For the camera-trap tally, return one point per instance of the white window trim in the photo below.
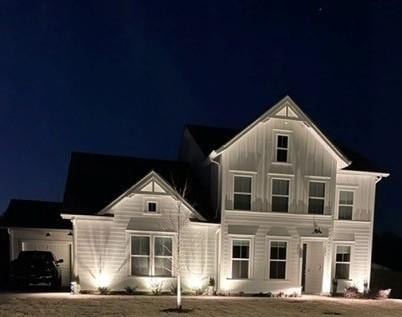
(268, 257)
(340, 189)
(314, 197)
(289, 196)
(151, 200)
(151, 255)
(156, 208)
(276, 148)
(252, 177)
(250, 255)
(334, 262)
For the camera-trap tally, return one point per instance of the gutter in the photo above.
(85, 217)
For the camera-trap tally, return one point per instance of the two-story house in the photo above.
(274, 207)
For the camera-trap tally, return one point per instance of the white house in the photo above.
(273, 207)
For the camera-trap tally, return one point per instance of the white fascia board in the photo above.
(36, 229)
(86, 217)
(341, 158)
(156, 177)
(352, 172)
(206, 224)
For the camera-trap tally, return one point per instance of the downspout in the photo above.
(75, 260)
(219, 231)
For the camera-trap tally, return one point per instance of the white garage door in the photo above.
(61, 250)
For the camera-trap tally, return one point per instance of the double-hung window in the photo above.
(240, 259)
(280, 195)
(277, 259)
(242, 192)
(316, 198)
(151, 256)
(140, 256)
(345, 208)
(342, 262)
(282, 148)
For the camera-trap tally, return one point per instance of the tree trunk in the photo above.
(178, 292)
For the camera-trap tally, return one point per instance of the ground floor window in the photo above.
(151, 256)
(240, 259)
(342, 262)
(277, 259)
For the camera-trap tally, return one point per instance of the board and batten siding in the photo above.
(254, 152)
(103, 246)
(253, 155)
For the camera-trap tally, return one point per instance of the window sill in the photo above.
(282, 163)
(151, 277)
(351, 221)
(239, 279)
(277, 280)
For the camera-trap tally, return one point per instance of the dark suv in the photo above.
(35, 268)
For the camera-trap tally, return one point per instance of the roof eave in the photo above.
(341, 158)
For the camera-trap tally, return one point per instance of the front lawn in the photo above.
(62, 304)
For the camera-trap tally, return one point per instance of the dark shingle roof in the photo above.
(95, 180)
(212, 138)
(34, 214)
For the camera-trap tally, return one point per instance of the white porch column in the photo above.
(327, 268)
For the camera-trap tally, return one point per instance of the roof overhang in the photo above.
(85, 217)
(342, 160)
(376, 174)
(152, 176)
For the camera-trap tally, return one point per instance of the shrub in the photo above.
(173, 288)
(352, 292)
(384, 293)
(130, 290)
(156, 287)
(103, 290)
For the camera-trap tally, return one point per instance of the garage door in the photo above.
(61, 250)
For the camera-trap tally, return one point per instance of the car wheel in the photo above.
(56, 283)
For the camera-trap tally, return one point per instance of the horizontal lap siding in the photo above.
(361, 248)
(260, 281)
(103, 246)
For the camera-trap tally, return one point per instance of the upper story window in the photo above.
(152, 206)
(345, 206)
(151, 256)
(277, 259)
(342, 262)
(316, 198)
(282, 148)
(280, 195)
(240, 258)
(242, 192)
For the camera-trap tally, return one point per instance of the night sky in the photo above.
(123, 77)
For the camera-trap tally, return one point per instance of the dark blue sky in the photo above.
(123, 77)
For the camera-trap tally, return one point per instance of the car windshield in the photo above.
(40, 256)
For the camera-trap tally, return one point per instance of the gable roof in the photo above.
(156, 179)
(96, 180)
(286, 108)
(209, 138)
(34, 214)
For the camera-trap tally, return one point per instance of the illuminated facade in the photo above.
(275, 207)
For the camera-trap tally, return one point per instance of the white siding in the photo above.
(103, 247)
(253, 154)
